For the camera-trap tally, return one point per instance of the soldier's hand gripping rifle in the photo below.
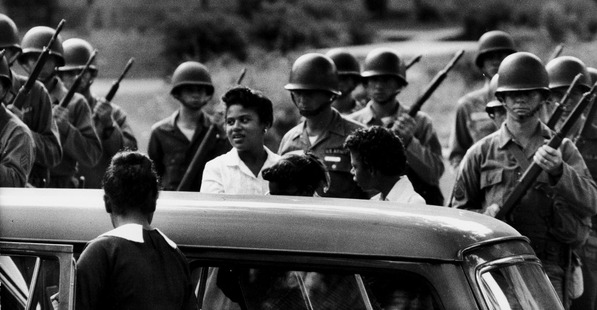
(437, 80)
(533, 171)
(200, 157)
(116, 84)
(71, 92)
(413, 61)
(18, 100)
(557, 113)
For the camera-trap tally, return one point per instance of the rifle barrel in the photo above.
(557, 113)
(200, 157)
(71, 92)
(116, 84)
(413, 61)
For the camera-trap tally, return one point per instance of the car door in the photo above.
(36, 276)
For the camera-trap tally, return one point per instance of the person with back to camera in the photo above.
(249, 114)
(379, 163)
(133, 266)
(296, 175)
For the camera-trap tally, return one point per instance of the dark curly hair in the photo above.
(305, 171)
(379, 149)
(250, 99)
(131, 183)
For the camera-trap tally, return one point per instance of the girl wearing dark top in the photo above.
(133, 266)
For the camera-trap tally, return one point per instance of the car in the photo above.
(283, 252)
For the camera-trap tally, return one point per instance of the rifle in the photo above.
(438, 79)
(39, 64)
(557, 113)
(242, 76)
(587, 125)
(533, 171)
(116, 84)
(413, 61)
(556, 52)
(200, 157)
(71, 92)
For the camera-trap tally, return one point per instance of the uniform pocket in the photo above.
(491, 177)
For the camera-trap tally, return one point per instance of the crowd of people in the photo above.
(342, 148)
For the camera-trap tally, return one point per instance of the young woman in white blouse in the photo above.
(249, 114)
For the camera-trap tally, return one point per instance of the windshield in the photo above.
(517, 286)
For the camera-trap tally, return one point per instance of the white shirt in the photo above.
(402, 191)
(228, 174)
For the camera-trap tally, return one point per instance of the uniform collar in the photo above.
(171, 121)
(506, 137)
(335, 126)
(134, 233)
(371, 116)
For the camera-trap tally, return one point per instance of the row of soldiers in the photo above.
(49, 145)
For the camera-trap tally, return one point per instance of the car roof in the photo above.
(272, 223)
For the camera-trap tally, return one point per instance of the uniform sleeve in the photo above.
(467, 192)
(121, 136)
(576, 184)
(92, 272)
(212, 178)
(48, 150)
(155, 153)
(81, 141)
(460, 138)
(16, 157)
(424, 152)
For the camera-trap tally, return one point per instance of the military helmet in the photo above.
(384, 61)
(37, 38)
(593, 73)
(562, 71)
(313, 71)
(494, 41)
(76, 55)
(9, 34)
(492, 88)
(345, 62)
(191, 73)
(522, 71)
(5, 72)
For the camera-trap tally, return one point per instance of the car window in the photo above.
(268, 288)
(20, 275)
(519, 286)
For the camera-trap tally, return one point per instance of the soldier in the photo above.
(472, 122)
(562, 71)
(36, 111)
(313, 86)
(492, 167)
(175, 139)
(587, 146)
(109, 120)
(379, 163)
(79, 141)
(495, 108)
(17, 152)
(384, 77)
(349, 77)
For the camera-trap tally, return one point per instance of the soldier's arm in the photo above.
(81, 142)
(17, 156)
(466, 193)
(424, 152)
(119, 136)
(48, 150)
(460, 138)
(576, 184)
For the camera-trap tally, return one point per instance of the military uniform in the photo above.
(172, 152)
(423, 153)
(80, 143)
(489, 172)
(37, 114)
(472, 123)
(17, 153)
(329, 148)
(119, 137)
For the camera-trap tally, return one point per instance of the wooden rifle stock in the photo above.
(116, 83)
(39, 64)
(533, 171)
(413, 61)
(557, 113)
(437, 80)
(200, 157)
(71, 92)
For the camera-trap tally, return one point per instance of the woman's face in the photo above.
(244, 128)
